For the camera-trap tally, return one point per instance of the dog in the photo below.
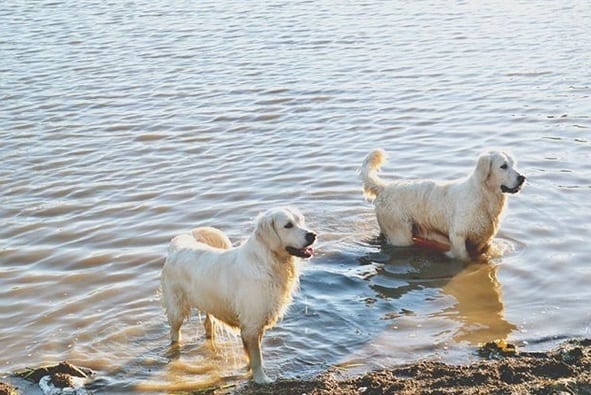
(248, 287)
(460, 216)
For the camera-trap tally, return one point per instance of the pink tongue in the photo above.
(310, 251)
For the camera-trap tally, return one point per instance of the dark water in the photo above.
(123, 124)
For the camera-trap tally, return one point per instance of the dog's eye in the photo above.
(504, 166)
(288, 225)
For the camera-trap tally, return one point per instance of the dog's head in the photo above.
(497, 171)
(283, 231)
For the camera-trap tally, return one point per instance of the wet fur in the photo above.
(248, 287)
(464, 214)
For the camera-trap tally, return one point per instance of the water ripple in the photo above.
(122, 125)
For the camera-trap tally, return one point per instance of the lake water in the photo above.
(123, 124)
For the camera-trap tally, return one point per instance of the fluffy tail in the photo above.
(372, 184)
(212, 237)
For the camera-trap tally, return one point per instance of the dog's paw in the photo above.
(465, 257)
(262, 378)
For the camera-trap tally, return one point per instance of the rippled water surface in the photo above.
(123, 124)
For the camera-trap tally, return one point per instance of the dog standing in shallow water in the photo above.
(462, 214)
(248, 287)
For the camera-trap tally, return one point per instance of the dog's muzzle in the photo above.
(305, 252)
(515, 189)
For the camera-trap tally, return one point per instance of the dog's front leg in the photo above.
(252, 346)
(458, 247)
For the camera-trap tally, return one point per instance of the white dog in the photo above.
(248, 287)
(462, 215)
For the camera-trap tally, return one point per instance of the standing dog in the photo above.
(248, 287)
(462, 214)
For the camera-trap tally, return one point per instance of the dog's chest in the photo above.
(279, 295)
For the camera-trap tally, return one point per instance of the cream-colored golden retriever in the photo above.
(462, 215)
(247, 287)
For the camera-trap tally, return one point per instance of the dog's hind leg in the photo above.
(398, 234)
(209, 325)
(175, 327)
(400, 238)
(176, 321)
(252, 346)
(177, 310)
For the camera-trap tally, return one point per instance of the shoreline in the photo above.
(565, 369)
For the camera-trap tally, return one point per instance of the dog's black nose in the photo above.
(310, 237)
(521, 179)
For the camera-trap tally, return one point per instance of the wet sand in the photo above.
(503, 370)
(7, 389)
(564, 370)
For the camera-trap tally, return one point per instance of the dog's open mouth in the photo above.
(305, 252)
(506, 189)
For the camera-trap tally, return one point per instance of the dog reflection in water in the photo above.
(479, 309)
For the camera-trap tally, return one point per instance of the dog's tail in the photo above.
(212, 237)
(372, 184)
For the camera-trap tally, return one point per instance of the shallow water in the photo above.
(124, 124)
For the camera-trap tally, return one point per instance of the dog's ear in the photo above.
(296, 214)
(509, 158)
(483, 167)
(265, 231)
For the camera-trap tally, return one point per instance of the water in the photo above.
(124, 124)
